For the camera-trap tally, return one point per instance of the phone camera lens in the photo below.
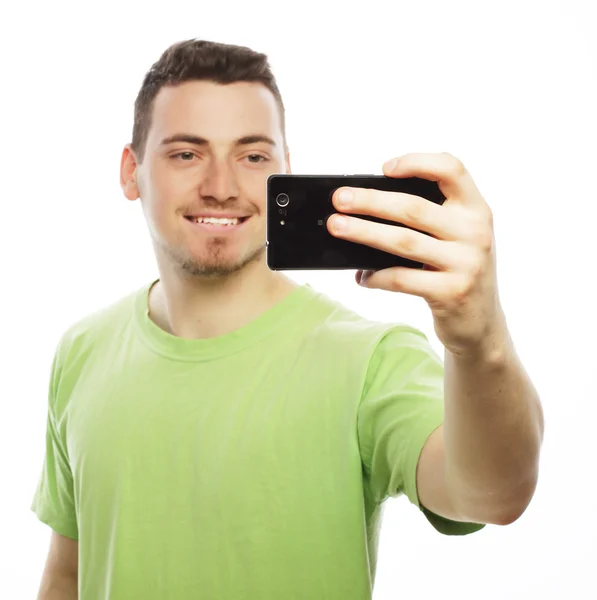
(282, 200)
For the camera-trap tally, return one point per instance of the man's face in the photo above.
(203, 179)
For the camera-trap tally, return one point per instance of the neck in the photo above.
(195, 308)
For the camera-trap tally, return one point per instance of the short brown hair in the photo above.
(200, 60)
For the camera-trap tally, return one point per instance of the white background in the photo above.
(508, 87)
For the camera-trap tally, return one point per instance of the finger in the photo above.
(425, 284)
(360, 274)
(450, 173)
(396, 240)
(408, 209)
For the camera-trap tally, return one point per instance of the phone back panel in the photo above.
(297, 235)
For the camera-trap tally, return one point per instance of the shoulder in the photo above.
(383, 342)
(83, 334)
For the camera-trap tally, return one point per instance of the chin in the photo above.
(223, 265)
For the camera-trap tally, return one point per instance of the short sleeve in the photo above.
(53, 502)
(401, 405)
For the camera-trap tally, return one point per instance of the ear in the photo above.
(128, 173)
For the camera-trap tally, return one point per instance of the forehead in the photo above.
(214, 111)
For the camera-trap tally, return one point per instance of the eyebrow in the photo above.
(199, 141)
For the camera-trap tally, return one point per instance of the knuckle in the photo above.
(413, 211)
(481, 228)
(455, 167)
(483, 239)
(473, 263)
(476, 266)
(407, 241)
(397, 281)
(462, 290)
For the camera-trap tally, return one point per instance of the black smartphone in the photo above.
(298, 207)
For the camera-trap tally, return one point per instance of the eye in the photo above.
(184, 156)
(257, 158)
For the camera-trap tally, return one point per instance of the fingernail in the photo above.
(389, 166)
(345, 198)
(339, 223)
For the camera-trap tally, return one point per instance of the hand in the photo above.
(459, 279)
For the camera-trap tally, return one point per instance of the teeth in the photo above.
(215, 221)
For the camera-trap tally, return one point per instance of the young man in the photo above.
(225, 433)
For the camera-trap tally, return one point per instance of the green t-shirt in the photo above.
(247, 466)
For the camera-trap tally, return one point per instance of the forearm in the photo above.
(58, 588)
(493, 429)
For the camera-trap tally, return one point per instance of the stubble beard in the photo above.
(215, 264)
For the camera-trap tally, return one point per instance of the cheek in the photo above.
(255, 191)
(163, 182)
(165, 194)
(159, 209)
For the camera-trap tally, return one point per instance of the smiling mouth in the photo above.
(217, 221)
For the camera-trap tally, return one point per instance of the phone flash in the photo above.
(282, 222)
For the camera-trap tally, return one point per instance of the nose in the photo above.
(219, 182)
